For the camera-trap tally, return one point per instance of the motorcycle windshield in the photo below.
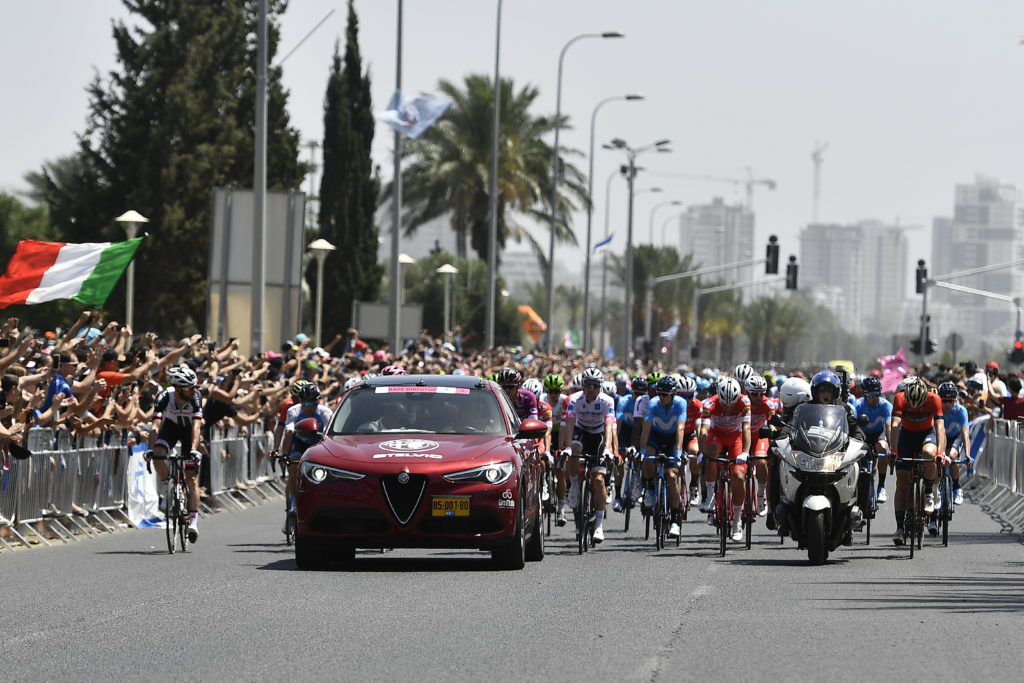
(819, 429)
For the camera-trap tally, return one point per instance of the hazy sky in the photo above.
(913, 96)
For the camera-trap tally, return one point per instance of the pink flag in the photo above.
(894, 368)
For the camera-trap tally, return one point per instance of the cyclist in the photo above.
(742, 373)
(295, 444)
(725, 425)
(282, 415)
(392, 371)
(878, 430)
(589, 429)
(177, 418)
(958, 436)
(916, 429)
(523, 401)
(664, 429)
(687, 391)
(762, 409)
(624, 404)
(558, 401)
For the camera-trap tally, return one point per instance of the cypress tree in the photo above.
(348, 188)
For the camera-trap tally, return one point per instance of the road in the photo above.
(235, 608)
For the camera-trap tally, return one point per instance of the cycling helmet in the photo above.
(666, 385)
(755, 383)
(741, 372)
(592, 375)
(639, 385)
(554, 382)
(181, 376)
(948, 391)
(393, 370)
(653, 377)
(577, 382)
(703, 384)
(508, 377)
(915, 394)
(608, 387)
(826, 377)
(309, 393)
(871, 385)
(621, 379)
(729, 391)
(296, 387)
(977, 381)
(534, 386)
(794, 391)
(687, 386)
(348, 385)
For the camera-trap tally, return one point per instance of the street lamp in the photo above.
(403, 260)
(664, 225)
(492, 246)
(320, 248)
(674, 202)
(632, 97)
(554, 176)
(449, 314)
(130, 220)
(631, 154)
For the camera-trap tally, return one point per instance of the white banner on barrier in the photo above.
(143, 500)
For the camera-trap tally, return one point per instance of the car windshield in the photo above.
(420, 410)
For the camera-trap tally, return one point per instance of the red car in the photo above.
(422, 461)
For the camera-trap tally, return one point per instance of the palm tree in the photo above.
(672, 300)
(448, 170)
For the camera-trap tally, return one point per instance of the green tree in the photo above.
(447, 172)
(348, 186)
(175, 120)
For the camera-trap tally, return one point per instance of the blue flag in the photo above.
(410, 116)
(609, 352)
(603, 243)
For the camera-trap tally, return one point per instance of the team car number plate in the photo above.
(449, 506)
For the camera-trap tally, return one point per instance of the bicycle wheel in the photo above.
(910, 521)
(586, 516)
(749, 512)
(171, 513)
(722, 508)
(289, 526)
(182, 518)
(946, 511)
(659, 514)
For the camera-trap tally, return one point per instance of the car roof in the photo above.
(460, 381)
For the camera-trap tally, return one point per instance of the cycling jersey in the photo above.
(664, 419)
(694, 408)
(640, 407)
(877, 416)
(624, 409)
(761, 411)
(525, 405)
(544, 413)
(590, 417)
(917, 419)
(721, 418)
(954, 419)
(558, 412)
(168, 408)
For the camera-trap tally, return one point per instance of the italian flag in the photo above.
(46, 271)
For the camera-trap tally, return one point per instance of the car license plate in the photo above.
(449, 506)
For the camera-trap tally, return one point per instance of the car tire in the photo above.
(344, 555)
(535, 546)
(512, 554)
(309, 557)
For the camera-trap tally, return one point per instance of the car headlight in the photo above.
(316, 473)
(495, 473)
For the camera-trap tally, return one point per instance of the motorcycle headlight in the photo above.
(316, 473)
(495, 473)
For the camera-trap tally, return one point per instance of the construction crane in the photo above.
(817, 156)
(749, 182)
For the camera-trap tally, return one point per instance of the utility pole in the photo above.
(817, 156)
(313, 145)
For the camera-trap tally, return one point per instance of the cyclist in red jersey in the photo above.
(725, 425)
(762, 409)
(917, 428)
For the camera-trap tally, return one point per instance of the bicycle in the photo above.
(175, 499)
(750, 500)
(585, 515)
(659, 508)
(915, 516)
(722, 509)
(869, 507)
(290, 522)
(946, 508)
(550, 503)
(630, 476)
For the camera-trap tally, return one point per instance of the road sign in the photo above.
(954, 342)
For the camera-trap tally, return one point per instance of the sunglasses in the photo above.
(591, 385)
(873, 394)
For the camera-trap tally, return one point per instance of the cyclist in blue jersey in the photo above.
(663, 430)
(958, 433)
(624, 405)
(877, 431)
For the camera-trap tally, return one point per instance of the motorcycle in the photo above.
(818, 473)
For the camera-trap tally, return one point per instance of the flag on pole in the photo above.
(604, 243)
(46, 271)
(670, 333)
(410, 116)
(894, 368)
(609, 352)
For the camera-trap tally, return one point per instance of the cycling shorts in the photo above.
(873, 439)
(625, 435)
(665, 443)
(591, 444)
(760, 447)
(171, 434)
(690, 440)
(910, 445)
(731, 443)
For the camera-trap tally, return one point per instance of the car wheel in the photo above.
(535, 547)
(309, 557)
(512, 555)
(344, 555)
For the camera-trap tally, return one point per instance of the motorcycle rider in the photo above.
(793, 392)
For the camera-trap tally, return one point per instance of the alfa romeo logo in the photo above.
(408, 445)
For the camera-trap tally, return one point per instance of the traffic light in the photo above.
(915, 346)
(771, 266)
(791, 273)
(930, 348)
(648, 348)
(1016, 354)
(922, 276)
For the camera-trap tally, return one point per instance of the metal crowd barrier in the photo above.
(1000, 472)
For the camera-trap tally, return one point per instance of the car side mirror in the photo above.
(531, 429)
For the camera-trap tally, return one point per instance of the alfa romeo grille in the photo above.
(403, 499)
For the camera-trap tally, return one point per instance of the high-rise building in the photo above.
(717, 234)
(857, 271)
(987, 228)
